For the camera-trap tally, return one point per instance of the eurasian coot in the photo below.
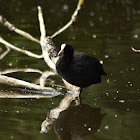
(78, 68)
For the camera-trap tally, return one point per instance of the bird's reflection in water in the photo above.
(78, 122)
(74, 123)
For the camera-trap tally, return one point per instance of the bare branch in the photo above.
(20, 32)
(42, 39)
(15, 94)
(44, 76)
(49, 52)
(41, 23)
(20, 50)
(137, 51)
(73, 18)
(5, 53)
(19, 83)
(48, 47)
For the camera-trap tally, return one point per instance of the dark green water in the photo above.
(104, 29)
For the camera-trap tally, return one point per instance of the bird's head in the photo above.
(66, 49)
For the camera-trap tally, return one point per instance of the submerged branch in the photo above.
(73, 18)
(13, 28)
(20, 70)
(19, 50)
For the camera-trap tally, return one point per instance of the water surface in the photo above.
(104, 29)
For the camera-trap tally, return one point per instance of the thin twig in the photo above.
(20, 50)
(13, 28)
(5, 53)
(41, 23)
(137, 51)
(73, 18)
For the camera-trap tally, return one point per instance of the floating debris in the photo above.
(73, 37)
(132, 69)
(107, 93)
(106, 56)
(135, 36)
(106, 127)
(10, 64)
(65, 7)
(130, 84)
(89, 129)
(108, 81)
(12, 137)
(94, 35)
(91, 13)
(121, 101)
(118, 53)
(85, 125)
(17, 111)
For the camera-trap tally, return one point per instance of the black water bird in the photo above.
(78, 68)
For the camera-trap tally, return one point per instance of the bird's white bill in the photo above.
(62, 49)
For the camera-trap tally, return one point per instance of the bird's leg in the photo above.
(77, 98)
(71, 89)
(76, 94)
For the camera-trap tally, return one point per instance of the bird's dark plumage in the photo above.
(78, 68)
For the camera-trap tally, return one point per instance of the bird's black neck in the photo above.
(67, 58)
